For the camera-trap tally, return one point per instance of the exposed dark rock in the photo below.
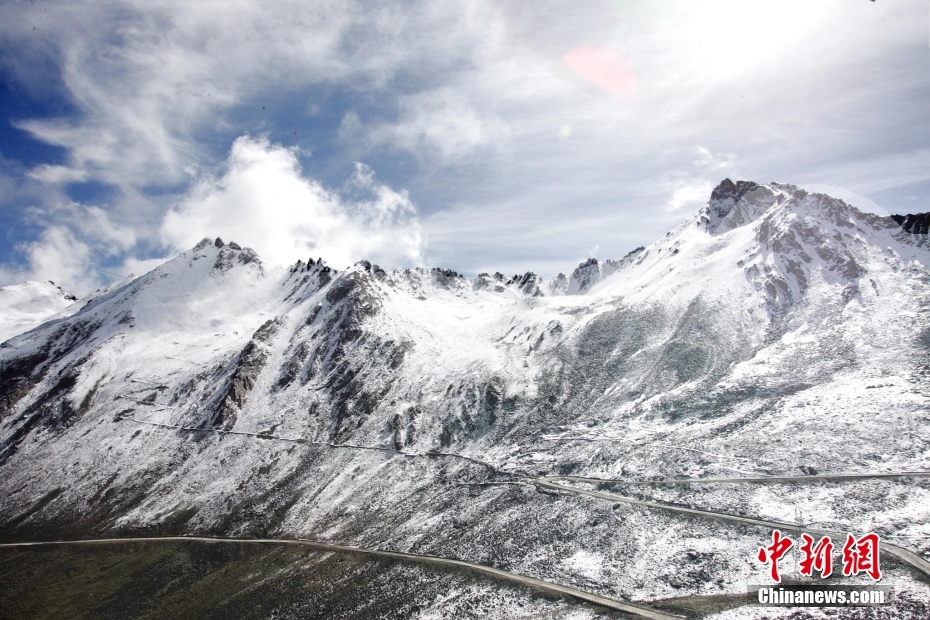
(249, 364)
(723, 199)
(586, 274)
(233, 245)
(128, 319)
(728, 190)
(218, 243)
(292, 367)
(916, 223)
(528, 284)
(248, 255)
(19, 374)
(67, 296)
(443, 276)
(559, 285)
(482, 282)
(53, 409)
(230, 254)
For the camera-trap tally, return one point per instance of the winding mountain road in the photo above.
(544, 482)
(539, 585)
(752, 480)
(908, 557)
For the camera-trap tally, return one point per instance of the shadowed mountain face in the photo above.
(917, 223)
(774, 331)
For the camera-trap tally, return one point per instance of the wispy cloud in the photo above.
(526, 133)
(51, 174)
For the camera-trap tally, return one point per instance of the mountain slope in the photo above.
(775, 331)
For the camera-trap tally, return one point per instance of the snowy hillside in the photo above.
(773, 332)
(24, 306)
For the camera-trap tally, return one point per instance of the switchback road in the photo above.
(755, 480)
(908, 557)
(495, 573)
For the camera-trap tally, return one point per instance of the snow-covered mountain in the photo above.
(773, 332)
(24, 306)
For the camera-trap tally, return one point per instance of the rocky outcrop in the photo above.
(308, 278)
(589, 273)
(584, 275)
(229, 254)
(52, 406)
(916, 223)
(729, 193)
(733, 205)
(249, 364)
(528, 284)
(332, 351)
(444, 277)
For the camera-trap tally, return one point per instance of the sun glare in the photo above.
(728, 37)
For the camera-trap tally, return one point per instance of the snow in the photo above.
(789, 333)
(24, 306)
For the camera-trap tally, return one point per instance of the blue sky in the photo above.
(478, 135)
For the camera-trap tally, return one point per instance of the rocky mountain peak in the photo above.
(528, 284)
(916, 223)
(443, 276)
(733, 205)
(727, 190)
(228, 254)
(584, 275)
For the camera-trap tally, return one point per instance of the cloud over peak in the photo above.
(262, 199)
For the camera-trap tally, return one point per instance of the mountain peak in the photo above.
(724, 199)
(228, 254)
(916, 223)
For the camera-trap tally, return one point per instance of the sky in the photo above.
(477, 135)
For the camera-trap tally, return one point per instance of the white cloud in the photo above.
(711, 161)
(483, 94)
(150, 77)
(440, 121)
(76, 240)
(689, 195)
(58, 255)
(262, 200)
(57, 174)
(135, 266)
